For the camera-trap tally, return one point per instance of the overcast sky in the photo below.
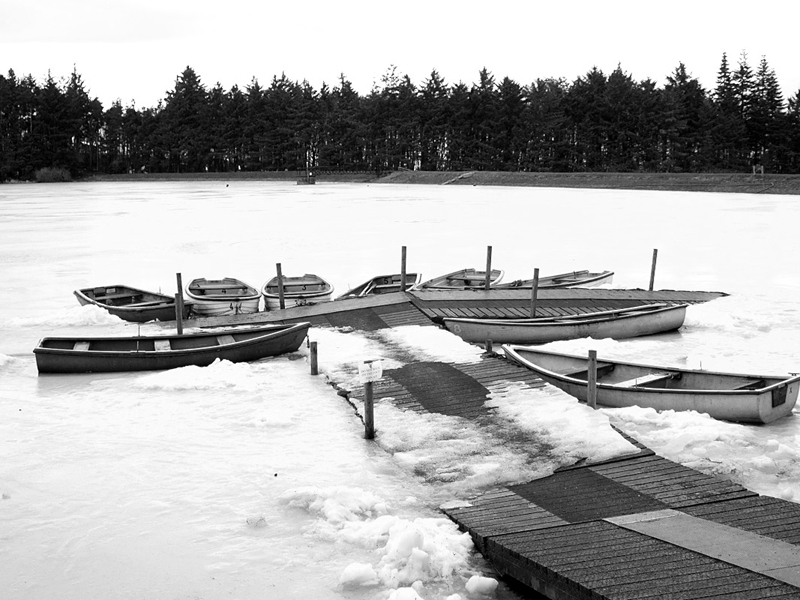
(134, 51)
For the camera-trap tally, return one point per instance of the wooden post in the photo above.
(179, 305)
(369, 412)
(313, 357)
(403, 269)
(488, 266)
(653, 269)
(281, 302)
(534, 292)
(489, 348)
(369, 371)
(591, 380)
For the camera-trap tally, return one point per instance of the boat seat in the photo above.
(162, 345)
(222, 340)
(752, 385)
(81, 346)
(113, 296)
(602, 369)
(645, 380)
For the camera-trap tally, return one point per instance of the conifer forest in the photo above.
(598, 122)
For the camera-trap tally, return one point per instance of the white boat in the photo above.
(583, 278)
(297, 291)
(728, 396)
(464, 279)
(227, 296)
(635, 321)
(382, 284)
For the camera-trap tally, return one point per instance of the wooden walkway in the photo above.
(425, 307)
(637, 527)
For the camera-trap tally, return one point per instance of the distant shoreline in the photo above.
(690, 182)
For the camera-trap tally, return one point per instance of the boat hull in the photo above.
(464, 279)
(382, 284)
(621, 324)
(220, 297)
(132, 304)
(297, 291)
(142, 353)
(743, 398)
(583, 278)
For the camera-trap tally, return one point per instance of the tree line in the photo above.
(597, 122)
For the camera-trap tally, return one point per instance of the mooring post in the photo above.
(281, 302)
(534, 292)
(653, 269)
(488, 266)
(591, 380)
(369, 412)
(313, 357)
(179, 305)
(369, 371)
(403, 269)
(489, 347)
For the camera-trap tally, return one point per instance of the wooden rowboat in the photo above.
(152, 353)
(227, 296)
(464, 279)
(297, 291)
(382, 284)
(132, 304)
(648, 319)
(728, 396)
(583, 278)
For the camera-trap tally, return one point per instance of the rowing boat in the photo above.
(151, 353)
(728, 396)
(464, 279)
(583, 278)
(382, 284)
(297, 291)
(635, 321)
(226, 296)
(132, 304)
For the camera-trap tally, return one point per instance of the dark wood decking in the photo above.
(573, 535)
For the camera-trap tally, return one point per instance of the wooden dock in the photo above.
(636, 527)
(424, 307)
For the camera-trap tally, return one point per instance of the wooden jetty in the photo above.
(635, 527)
(638, 526)
(423, 307)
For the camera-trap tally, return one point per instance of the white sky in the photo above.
(134, 51)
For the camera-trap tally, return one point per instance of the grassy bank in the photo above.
(690, 182)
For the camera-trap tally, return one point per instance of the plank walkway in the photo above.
(636, 527)
(425, 307)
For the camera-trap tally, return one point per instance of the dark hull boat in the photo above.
(153, 353)
(132, 304)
